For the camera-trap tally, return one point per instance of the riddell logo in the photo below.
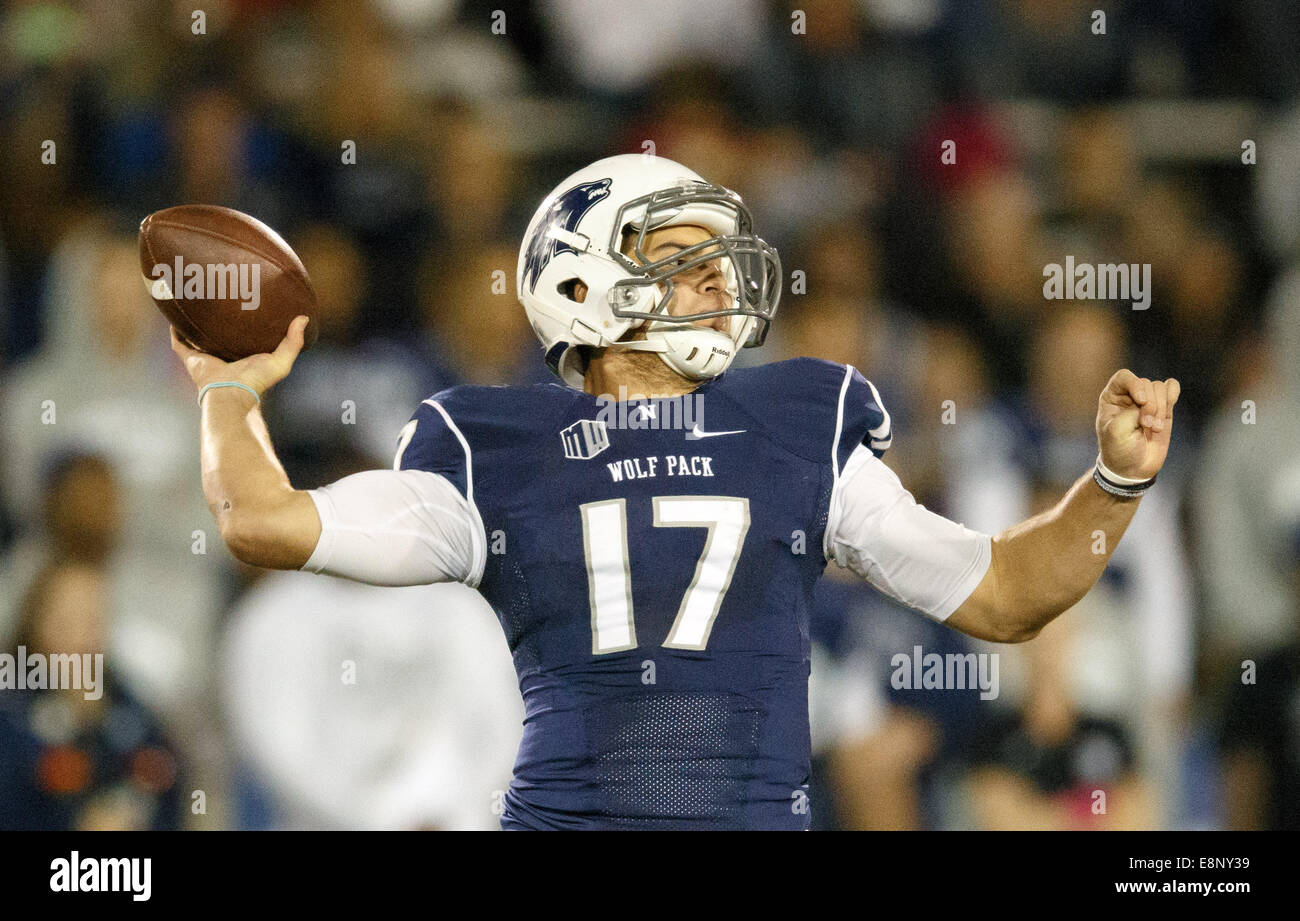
(193, 281)
(103, 874)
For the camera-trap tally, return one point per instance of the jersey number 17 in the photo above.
(609, 572)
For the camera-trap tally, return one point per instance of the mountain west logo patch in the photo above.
(584, 439)
(566, 212)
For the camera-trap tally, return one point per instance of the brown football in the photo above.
(227, 282)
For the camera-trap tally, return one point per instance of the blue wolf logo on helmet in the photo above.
(566, 212)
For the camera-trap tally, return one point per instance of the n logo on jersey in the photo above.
(584, 439)
(566, 212)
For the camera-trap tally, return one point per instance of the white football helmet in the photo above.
(591, 229)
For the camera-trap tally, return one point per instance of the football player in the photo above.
(649, 529)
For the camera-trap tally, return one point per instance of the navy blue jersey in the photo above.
(652, 565)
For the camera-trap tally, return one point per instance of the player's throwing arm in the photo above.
(263, 520)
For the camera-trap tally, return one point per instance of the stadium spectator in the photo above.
(95, 385)
(1260, 739)
(1047, 765)
(1247, 508)
(91, 757)
(629, 49)
(361, 707)
(80, 520)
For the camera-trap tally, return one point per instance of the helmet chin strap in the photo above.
(639, 345)
(693, 352)
(696, 353)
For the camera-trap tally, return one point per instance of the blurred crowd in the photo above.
(243, 699)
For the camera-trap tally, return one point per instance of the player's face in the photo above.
(700, 289)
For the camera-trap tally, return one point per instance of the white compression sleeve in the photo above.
(877, 530)
(397, 527)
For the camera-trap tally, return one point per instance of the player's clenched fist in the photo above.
(1135, 417)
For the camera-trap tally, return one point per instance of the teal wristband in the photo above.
(214, 384)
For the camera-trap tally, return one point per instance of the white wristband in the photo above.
(1120, 480)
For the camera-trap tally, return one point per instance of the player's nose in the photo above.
(711, 286)
(711, 281)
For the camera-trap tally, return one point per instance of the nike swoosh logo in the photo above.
(695, 434)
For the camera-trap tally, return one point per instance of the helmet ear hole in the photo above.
(575, 289)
